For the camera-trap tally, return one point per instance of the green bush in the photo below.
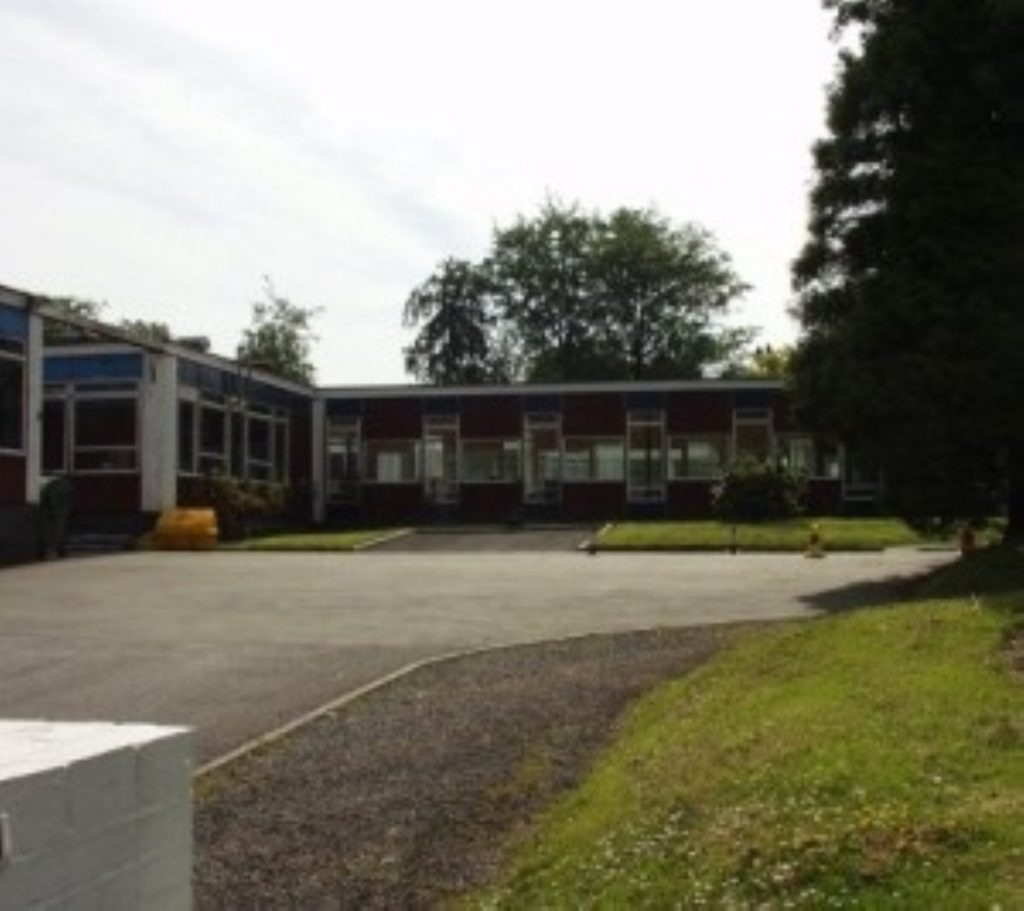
(756, 491)
(240, 505)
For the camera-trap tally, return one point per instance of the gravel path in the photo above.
(406, 797)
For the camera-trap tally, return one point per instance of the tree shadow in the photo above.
(859, 595)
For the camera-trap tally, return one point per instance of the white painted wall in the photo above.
(95, 816)
(319, 466)
(159, 433)
(34, 408)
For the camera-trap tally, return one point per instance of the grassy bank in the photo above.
(314, 541)
(792, 535)
(874, 759)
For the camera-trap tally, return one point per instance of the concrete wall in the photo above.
(94, 816)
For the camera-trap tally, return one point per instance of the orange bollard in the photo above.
(815, 548)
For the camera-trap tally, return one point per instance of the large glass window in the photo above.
(213, 440)
(490, 461)
(12, 398)
(342, 459)
(752, 428)
(440, 458)
(54, 436)
(281, 450)
(697, 458)
(186, 437)
(105, 434)
(798, 454)
(593, 459)
(542, 458)
(646, 436)
(392, 461)
(260, 450)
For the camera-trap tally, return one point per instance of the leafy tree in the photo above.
(456, 342)
(280, 337)
(911, 286)
(543, 269)
(569, 295)
(146, 330)
(766, 362)
(657, 291)
(56, 332)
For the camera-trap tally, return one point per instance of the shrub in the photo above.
(757, 491)
(239, 504)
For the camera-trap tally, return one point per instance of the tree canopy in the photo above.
(575, 296)
(911, 288)
(280, 337)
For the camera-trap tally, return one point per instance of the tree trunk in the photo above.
(1015, 497)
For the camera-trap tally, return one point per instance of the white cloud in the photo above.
(166, 154)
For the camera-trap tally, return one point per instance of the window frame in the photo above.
(592, 439)
(725, 449)
(119, 392)
(503, 442)
(21, 360)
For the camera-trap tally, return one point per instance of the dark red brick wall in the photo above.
(689, 500)
(824, 497)
(785, 419)
(393, 419)
(106, 495)
(388, 503)
(590, 414)
(490, 502)
(699, 412)
(594, 501)
(491, 417)
(12, 480)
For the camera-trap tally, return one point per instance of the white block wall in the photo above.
(95, 816)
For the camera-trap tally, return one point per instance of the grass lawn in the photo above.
(313, 541)
(873, 760)
(837, 533)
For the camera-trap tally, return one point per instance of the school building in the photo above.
(135, 426)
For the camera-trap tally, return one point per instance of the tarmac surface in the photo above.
(238, 643)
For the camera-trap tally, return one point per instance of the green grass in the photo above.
(869, 760)
(312, 541)
(837, 533)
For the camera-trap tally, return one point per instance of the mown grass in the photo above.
(871, 760)
(791, 535)
(312, 541)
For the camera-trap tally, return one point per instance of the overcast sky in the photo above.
(163, 155)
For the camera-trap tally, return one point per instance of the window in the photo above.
(752, 433)
(440, 458)
(281, 450)
(186, 437)
(392, 461)
(342, 459)
(697, 458)
(12, 398)
(542, 458)
(54, 436)
(593, 459)
(105, 434)
(798, 454)
(490, 461)
(213, 439)
(260, 454)
(646, 436)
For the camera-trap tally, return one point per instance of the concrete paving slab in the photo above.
(237, 643)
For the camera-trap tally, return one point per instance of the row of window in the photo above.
(215, 438)
(645, 459)
(95, 428)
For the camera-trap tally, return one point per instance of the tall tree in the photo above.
(543, 269)
(280, 337)
(911, 288)
(658, 292)
(454, 310)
